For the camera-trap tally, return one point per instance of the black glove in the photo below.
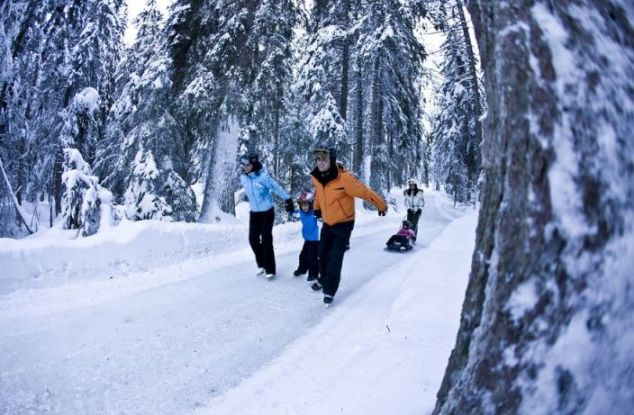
(419, 211)
(317, 213)
(289, 206)
(410, 211)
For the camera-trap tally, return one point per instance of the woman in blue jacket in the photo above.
(258, 186)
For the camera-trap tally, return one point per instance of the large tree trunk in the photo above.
(547, 320)
(57, 171)
(218, 198)
(379, 161)
(11, 214)
(473, 78)
(359, 147)
(276, 141)
(345, 62)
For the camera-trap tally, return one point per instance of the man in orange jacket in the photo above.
(335, 190)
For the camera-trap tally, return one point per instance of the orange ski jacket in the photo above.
(335, 199)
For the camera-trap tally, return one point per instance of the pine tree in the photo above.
(457, 131)
(319, 79)
(83, 196)
(20, 30)
(231, 61)
(391, 58)
(143, 130)
(141, 198)
(57, 50)
(141, 80)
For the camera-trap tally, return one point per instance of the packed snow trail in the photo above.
(168, 348)
(383, 351)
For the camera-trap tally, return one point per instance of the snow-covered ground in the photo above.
(160, 318)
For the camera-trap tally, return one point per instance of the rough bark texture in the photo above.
(547, 320)
(473, 74)
(345, 62)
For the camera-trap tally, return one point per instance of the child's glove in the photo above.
(419, 211)
(317, 213)
(289, 206)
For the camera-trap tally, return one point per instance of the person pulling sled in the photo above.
(414, 202)
(403, 240)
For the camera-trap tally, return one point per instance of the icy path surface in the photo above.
(169, 340)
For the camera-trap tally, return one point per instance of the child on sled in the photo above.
(403, 240)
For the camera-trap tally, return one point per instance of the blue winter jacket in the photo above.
(310, 229)
(258, 187)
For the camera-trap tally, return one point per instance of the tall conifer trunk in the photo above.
(345, 61)
(378, 165)
(548, 312)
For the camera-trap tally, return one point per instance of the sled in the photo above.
(399, 244)
(397, 247)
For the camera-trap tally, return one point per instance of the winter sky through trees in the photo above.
(134, 8)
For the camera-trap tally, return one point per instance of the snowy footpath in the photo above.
(158, 318)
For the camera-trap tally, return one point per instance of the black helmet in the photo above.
(250, 157)
(324, 147)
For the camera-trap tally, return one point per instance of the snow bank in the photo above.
(382, 350)
(56, 256)
(50, 260)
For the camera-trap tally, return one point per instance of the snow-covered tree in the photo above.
(390, 57)
(142, 80)
(268, 97)
(320, 74)
(548, 311)
(57, 50)
(457, 129)
(141, 198)
(78, 120)
(230, 63)
(83, 196)
(144, 159)
(12, 217)
(20, 31)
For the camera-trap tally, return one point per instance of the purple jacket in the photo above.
(408, 233)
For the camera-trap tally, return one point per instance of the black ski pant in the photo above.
(309, 259)
(261, 239)
(332, 245)
(412, 217)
